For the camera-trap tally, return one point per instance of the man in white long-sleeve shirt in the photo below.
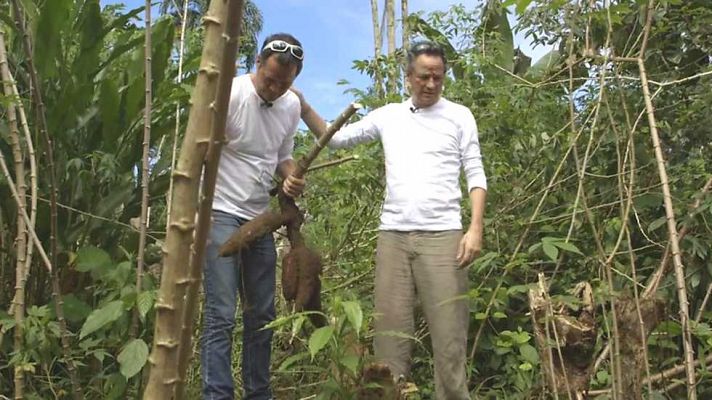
(421, 248)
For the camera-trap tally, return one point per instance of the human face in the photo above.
(426, 80)
(273, 79)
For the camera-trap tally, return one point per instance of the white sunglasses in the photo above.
(280, 46)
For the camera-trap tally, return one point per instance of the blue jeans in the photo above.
(252, 274)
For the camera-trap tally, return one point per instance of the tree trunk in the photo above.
(567, 368)
(175, 278)
(634, 342)
(377, 41)
(406, 34)
(393, 66)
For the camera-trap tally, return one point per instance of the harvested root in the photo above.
(301, 268)
(263, 224)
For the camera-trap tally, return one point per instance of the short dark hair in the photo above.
(425, 47)
(283, 58)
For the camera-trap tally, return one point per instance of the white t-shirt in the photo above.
(258, 138)
(424, 152)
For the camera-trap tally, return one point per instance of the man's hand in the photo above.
(293, 186)
(470, 247)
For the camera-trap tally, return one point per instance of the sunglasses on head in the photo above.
(280, 46)
(426, 47)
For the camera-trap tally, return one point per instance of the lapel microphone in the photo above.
(266, 104)
(414, 109)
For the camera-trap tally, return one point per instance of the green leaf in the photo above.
(657, 224)
(90, 258)
(354, 314)
(545, 64)
(567, 246)
(74, 309)
(145, 301)
(101, 317)
(291, 360)
(319, 339)
(350, 361)
(522, 6)
(550, 250)
(133, 357)
(87, 60)
(496, 27)
(109, 111)
(529, 353)
(53, 20)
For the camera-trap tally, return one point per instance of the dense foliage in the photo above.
(566, 144)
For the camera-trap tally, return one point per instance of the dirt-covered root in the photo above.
(263, 224)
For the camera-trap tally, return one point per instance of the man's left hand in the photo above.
(470, 247)
(293, 186)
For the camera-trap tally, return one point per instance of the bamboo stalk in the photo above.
(377, 41)
(230, 45)
(170, 305)
(133, 332)
(18, 301)
(181, 52)
(392, 84)
(42, 124)
(670, 215)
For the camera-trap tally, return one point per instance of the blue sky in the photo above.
(334, 33)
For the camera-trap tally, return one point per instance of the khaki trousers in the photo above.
(423, 264)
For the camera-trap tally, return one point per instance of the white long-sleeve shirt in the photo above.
(424, 152)
(258, 139)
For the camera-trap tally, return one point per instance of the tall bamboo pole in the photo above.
(174, 151)
(377, 41)
(21, 238)
(170, 305)
(217, 137)
(391, 32)
(669, 214)
(42, 125)
(144, 167)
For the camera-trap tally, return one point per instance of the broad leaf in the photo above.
(529, 354)
(550, 250)
(133, 357)
(497, 29)
(53, 20)
(567, 246)
(319, 339)
(354, 314)
(91, 258)
(145, 301)
(102, 317)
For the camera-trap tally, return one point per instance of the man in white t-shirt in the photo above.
(261, 123)
(421, 250)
